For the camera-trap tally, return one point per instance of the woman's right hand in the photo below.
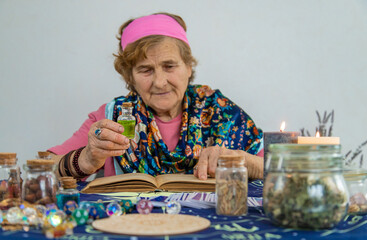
(109, 143)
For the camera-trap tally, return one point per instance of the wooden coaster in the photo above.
(153, 224)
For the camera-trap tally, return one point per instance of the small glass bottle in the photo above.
(127, 120)
(10, 188)
(40, 184)
(231, 185)
(67, 192)
(305, 187)
(356, 180)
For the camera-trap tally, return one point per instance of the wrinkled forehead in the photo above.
(160, 51)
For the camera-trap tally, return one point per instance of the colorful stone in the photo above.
(173, 207)
(70, 206)
(1, 216)
(51, 206)
(127, 205)
(31, 216)
(41, 209)
(113, 209)
(71, 221)
(55, 218)
(14, 215)
(144, 206)
(85, 205)
(101, 210)
(92, 212)
(80, 216)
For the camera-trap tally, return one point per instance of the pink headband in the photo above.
(159, 24)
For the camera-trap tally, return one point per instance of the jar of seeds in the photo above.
(40, 185)
(305, 187)
(10, 181)
(231, 185)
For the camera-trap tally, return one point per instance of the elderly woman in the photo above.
(180, 128)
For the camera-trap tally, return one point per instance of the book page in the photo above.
(181, 179)
(123, 178)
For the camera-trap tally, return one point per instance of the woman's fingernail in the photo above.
(121, 129)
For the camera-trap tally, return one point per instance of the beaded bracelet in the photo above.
(64, 165)
(76, 163)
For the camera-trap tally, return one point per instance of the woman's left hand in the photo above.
(208, 161)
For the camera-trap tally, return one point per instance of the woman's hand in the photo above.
(109, 143)
(208, 161)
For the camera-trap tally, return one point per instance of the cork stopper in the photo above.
(68, 182)
(44, 155)
(35, 162)
(8, 158)
(40, 164)
(127, 104)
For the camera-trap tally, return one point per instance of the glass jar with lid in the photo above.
(10, 181)
(356, 180)
(40, 184)
(67, 192)
(305, 187)
(231, 185)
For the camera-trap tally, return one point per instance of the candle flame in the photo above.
(282, 126)
(317, 134)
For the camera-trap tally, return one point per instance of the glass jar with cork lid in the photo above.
(305, 187)
(43, 155)
(40, 184)
(67, 192)
(231, 185)
(10, 181)
(127, 120)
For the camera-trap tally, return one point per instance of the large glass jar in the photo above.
(305, 186)
(356, 180)
(40, 184)
(10, 187)
(231, 186)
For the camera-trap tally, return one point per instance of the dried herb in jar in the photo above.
(306, 202)
(231, 185)
(231, 197)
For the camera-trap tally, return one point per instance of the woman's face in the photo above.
(162, 78)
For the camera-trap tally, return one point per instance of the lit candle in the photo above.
(281, 137)
(319, 140)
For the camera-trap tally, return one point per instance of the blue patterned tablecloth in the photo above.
(254, 226)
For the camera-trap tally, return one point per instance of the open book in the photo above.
(141, 182)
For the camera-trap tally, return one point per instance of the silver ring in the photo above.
(195, 168)
(98, 133)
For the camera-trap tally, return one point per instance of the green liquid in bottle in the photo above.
(129, 126)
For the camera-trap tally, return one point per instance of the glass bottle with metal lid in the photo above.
(231, 185)
(305, 186)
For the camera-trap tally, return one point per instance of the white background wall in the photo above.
(278, 60)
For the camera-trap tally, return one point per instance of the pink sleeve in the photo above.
(80, 137)
(261, 153)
